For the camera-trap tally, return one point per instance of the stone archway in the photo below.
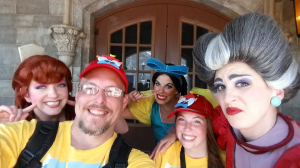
(85, 12)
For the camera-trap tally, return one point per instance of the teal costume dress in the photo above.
(147, 112)
(160, 129)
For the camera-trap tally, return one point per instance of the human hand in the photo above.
(164, 144)
(136, 96)
(12, 113)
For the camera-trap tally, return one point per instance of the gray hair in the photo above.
(204, 72)
(257, 40)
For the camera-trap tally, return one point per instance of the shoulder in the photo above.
(65, 125)
(173, 149)
(13, 139)
(142, 110)
(295, 125)
(170, 156)
(23, 126)
(149, 100)
(146, 101)
(138, 159)
(291, 158)
(175, 146)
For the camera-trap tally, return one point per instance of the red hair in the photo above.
(41, 68)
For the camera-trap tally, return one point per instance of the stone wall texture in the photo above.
(27, 21)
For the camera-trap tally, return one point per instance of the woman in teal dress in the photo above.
(152, 107)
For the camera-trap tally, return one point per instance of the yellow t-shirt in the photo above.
(142, 110)
(171, 158)
(13, 139)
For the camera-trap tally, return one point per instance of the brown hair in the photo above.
(214, 158)
(213, 150)
(41, 68)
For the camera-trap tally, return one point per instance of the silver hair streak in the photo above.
(255, 39)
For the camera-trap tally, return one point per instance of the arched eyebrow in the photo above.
(171, 84)
(232, 76)
(218, 80)
(236, 76)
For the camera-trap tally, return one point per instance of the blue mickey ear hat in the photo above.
(175, 72)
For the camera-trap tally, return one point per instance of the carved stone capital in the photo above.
(66, 38)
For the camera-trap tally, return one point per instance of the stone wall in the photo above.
(23, 22)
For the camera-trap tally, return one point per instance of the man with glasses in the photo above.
(87, 141)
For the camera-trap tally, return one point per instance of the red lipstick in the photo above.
(160, 96)
(233, 111)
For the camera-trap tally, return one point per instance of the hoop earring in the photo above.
(275, 101)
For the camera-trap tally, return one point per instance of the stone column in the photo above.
(269, 7)
(66, 19)
(66, 37)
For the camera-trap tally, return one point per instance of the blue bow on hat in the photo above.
(185, 102)
(161, 67)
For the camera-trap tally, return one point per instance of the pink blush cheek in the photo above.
(33, 97)
(178, 130)
(170, 92)
(155, 88)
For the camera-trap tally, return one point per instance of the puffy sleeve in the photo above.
(142, 110)
(207, 94)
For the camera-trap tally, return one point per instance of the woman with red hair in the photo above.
(42, 85)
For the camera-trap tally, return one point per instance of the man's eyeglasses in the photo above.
(91, 89)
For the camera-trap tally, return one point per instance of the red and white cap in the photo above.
(194, 103)
(108, 62)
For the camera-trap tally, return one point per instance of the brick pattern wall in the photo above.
(23, 22)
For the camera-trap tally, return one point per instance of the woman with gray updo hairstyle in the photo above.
(257, 41)
(250, 69)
